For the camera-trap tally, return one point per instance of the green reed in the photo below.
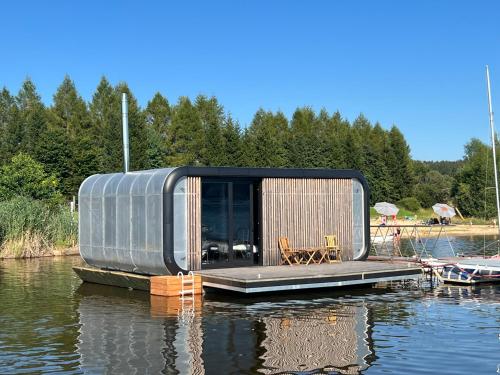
(34, 228)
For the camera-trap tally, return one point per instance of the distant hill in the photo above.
(445, 167)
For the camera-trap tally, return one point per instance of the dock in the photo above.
(259, 279)
(283, 278)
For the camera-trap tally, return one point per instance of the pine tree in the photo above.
(233, 145)
(354, 150)
(304, 142)
(105, 127)
(400, 165)
(69, 109)
(336, 131)
(158, 114)
(266, 140)
(10, 135)
(32, 118)
(378, 174)
(186, 139)
(60, 150)
(212, 119)
(158, 118)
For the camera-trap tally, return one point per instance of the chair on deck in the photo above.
(332, 246)
(289, 255)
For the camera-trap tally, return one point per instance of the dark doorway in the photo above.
(228, 223)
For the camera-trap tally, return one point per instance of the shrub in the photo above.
(24, 176)
(32, 228)
(410, 203)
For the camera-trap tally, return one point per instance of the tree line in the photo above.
(73, 139)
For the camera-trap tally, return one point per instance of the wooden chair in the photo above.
(332, 246)
(288, 255)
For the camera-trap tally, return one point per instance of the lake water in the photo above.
(50, 322)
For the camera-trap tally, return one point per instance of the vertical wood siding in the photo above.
(305, 210)
(194, 222)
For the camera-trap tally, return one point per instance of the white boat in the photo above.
(467, 270)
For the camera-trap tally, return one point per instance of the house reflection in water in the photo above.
(125, 332)
(329, 339)
(119, 335)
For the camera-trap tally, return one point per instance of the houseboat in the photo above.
(170, 220)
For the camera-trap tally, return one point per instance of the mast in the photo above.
(493, 143)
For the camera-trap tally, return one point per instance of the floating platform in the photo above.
(271, 278)
(283, 278)
(114, 278)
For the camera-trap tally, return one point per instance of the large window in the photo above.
(227, 228)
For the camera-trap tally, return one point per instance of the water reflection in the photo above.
(329, 339)
(50, 323)
(120, 332)
(465, 294)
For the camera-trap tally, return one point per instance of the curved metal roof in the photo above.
(121, 224)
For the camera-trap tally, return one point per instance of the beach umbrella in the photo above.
(443, 210)
(387, 209)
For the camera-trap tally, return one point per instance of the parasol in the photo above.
(443, 210)
(387, 209)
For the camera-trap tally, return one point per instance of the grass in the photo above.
(30, 228)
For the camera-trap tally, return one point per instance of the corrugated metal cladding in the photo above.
(306, 210)
(121, 221)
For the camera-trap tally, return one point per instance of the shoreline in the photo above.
(458, 230)
(56, 252)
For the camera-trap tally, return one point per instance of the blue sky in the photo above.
(418, 65)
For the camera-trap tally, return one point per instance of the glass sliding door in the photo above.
(214, 222)
(227, 224)
(242, 223)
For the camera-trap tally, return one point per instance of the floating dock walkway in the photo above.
(272, 278)
(282, 278)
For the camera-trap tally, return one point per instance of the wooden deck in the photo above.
(272, 278)
(281, 278)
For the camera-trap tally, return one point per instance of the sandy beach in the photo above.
(454, 230)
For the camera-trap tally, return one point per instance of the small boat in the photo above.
(469, 270)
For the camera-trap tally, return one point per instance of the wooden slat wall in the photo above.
(194, 223)
(305, 210)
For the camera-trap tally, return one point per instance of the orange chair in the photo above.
(289, 255)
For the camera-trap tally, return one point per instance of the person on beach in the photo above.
(397, 232)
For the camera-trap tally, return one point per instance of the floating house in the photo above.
(162, 221)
